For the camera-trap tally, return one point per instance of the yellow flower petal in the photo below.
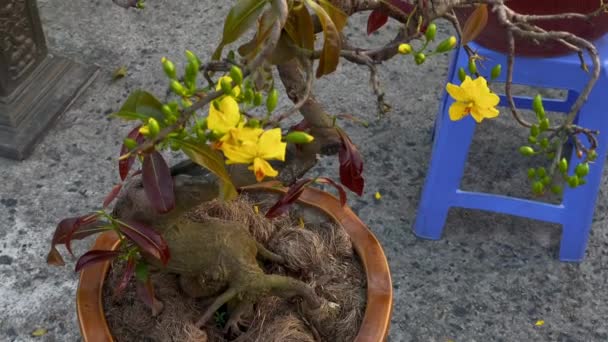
(539, 323)
(483, 113)
(221, 121)
(271, 146)
(262, 168)
(458, 110)
(239, 154)
(456, 92)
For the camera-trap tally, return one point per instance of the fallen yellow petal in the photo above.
(256, 209)
(301, 222)
(39, 332)
(377, 196)
(539, 323)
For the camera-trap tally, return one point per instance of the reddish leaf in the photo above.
(73, 228)
(148, 239)
(93, 257)
(126, 277)
(475, 24)
(112, 195)
(351, 165)
(376, 20)
(288, 199)
(145, 291)
(158, 183)
(325, 180)
(124, 165)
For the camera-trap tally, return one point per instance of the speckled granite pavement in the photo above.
(489, 279)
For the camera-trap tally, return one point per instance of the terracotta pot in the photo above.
(376, 321)
(494, 37)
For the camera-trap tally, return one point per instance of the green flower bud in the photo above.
(534, 131)
(153, 126)
(200, 134)
(472, 66)
(257, 99)
(551, 155)
(404, 49)
(168, 67)
(174, 106)
(573, 181)
(546, 180)
(272, 100)
(431, 31)
(531, 173)
(178, 88)
(130, 143)
(526, 150)
(202, 124)
(556, 189)
(582, 181)
(496, 70)
(591, 155)
(236, 74)
(254, 123)
(193, 59)
(190, 76)
(544, 124)
(299, 137)
(563, 165)
(248, 95)
(216, 104)
(167, 110)
(537, 106)
(582, 169)
(544, 143)
(419, 58)
(174, 145)
(541, 172)
(538, 188)
(446, 45)
(532, 140)
(226, 85)
(462, 74)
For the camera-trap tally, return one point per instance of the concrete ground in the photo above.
(491, 277)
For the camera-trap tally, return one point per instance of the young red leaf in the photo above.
(146, 238)
(145, 291)
(124, 165)
(93, 257)
(288, 199)
(126, 277)
(351, 165)
(325, 180)
(376, 20)
(112, 195)
(158, 184)
(73, 228)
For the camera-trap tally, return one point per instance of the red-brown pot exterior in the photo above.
(494, 37)
(376, 321)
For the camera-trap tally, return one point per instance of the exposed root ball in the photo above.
(302, 250)
(241, 211)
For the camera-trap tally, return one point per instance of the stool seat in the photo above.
(452, 139)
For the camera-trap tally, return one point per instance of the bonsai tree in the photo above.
(223, 118)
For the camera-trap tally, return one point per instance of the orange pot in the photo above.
(376, 321)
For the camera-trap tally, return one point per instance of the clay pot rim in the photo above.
(376, 320)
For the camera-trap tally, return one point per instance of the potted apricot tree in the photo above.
(214, 252)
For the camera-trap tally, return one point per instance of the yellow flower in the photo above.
(228, 116)
(255, 146)
(473, 97)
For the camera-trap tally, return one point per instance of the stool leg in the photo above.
(580, 202)
(444, 173)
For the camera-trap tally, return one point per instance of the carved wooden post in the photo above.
(35, 87)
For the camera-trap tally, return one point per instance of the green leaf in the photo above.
(300, 28)
(144, 104)
(130, 116)
(141, 271)
(241, 17)
(338, 17)
(206, 157)
(332, 44)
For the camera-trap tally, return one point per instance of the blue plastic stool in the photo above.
(452, 139)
